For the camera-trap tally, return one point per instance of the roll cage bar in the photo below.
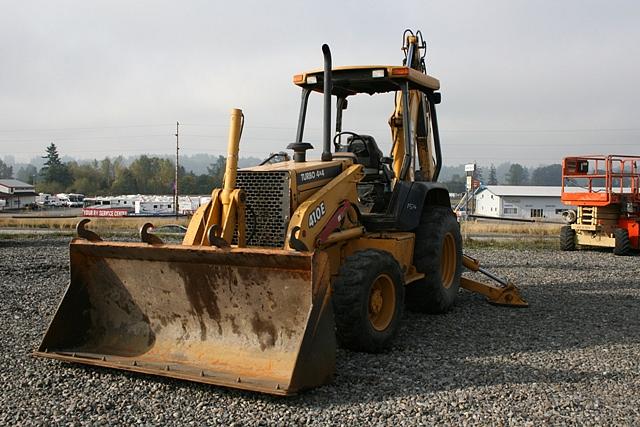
(353, 81)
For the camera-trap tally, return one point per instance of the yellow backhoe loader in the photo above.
(287, 257)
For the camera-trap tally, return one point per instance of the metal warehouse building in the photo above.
(16, 194)
(520, 202)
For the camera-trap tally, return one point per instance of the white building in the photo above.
(16, 194)
(520, 202)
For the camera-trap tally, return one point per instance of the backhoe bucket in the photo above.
(253, 319)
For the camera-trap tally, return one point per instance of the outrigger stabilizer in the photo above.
(506, 293)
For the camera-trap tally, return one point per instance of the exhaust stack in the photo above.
(326, 128)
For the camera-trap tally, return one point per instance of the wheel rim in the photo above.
(382, 302)
(448, 260)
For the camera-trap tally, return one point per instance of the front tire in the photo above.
(623, 244)
(567, 238)
(437, 254)
(368, 301)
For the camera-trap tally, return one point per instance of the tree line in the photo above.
(550, 175)
(145, 175)
(156, 175)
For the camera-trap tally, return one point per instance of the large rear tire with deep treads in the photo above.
(368, 301)
(437, 254)
(567, 238)
(623, 244)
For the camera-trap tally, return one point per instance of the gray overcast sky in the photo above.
(522, 81)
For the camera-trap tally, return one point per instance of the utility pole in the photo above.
(175, 186)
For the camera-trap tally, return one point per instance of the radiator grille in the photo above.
(267, 205)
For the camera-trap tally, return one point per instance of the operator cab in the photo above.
(415, 154)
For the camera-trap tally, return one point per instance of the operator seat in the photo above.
(367, 153)
(374, 189)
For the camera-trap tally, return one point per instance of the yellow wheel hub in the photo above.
(382, 302)
(448, 260)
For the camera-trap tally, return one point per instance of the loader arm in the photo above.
(215, 222)
(312, 216)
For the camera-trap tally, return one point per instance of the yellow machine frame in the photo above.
(214, 310)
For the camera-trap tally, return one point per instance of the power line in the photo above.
(512, 144)
(119, 151)
(82, 138)
(82, 128)
(292, 128)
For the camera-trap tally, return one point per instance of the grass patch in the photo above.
(36, 236)
(535, 235)
(528, 228)
(512, 244)
(96, 224)
(134, 223)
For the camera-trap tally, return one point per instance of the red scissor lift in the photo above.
(605, 190)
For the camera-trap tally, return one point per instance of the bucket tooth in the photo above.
(147, 237)
(86, 234)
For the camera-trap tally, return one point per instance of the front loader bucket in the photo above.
(253, 319)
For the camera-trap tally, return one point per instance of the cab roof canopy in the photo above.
(369, 79)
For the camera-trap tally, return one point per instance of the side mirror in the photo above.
(436, 97)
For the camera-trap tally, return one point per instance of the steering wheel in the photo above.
(339, 134)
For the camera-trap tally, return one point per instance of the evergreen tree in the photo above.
(478, 174)
(493, 178)
(547, 175)
(6, 171)
(216, 171)
(27, 174)
(517, 175)
(54, 171)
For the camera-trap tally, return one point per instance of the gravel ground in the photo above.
(573, 357)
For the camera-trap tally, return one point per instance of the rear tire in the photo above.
(437, 254)
(368, 301)
(567, 238)
(623, 244)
